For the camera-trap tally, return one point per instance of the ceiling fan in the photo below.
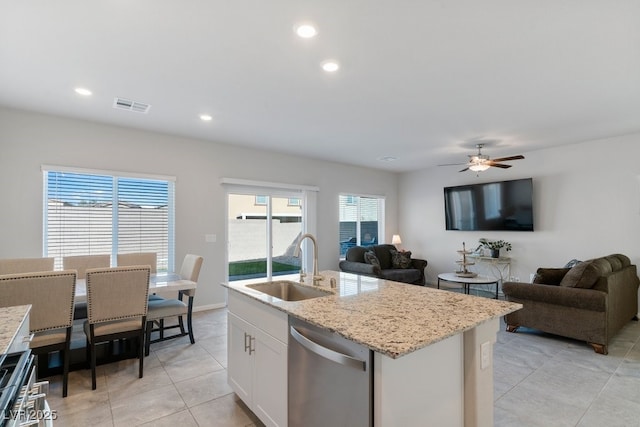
(481, 162)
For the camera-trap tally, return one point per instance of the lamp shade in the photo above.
(395, 240)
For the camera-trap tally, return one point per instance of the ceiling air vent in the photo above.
(127, 104)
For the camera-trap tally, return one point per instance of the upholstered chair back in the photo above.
(50, 294)
(25, 265)
(190, 270)
(81, 263)
(117, 293)
(142, 258)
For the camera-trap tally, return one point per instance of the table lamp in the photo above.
(395, 240)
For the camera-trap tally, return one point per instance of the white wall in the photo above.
(28, 140)
(586, 204)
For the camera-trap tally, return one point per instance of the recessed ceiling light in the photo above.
(388, 159)
(306, 31)
(205, 117)
(82, 91)
(330, 66)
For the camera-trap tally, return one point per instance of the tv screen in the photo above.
(492, 206)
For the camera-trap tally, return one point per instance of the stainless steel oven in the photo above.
(22, 399)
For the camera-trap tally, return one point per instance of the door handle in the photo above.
(320, 350)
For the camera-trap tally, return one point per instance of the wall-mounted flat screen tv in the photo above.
(491, 206)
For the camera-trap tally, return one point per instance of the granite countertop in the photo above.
(391, 318)
(10, 321)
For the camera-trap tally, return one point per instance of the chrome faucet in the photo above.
(316, 277)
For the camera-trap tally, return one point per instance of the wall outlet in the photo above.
(210, 238)
(485, 355)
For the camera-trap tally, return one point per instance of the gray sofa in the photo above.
(590, 301)
(355, 262)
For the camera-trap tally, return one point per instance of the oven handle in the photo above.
(327, 353)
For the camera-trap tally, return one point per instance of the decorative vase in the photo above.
(495, 253)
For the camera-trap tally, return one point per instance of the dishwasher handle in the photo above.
(314, 347)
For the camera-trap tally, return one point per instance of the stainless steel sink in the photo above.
(289, 291)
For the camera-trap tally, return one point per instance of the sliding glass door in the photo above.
(262, 232)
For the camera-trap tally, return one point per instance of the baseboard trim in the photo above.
(209, 307)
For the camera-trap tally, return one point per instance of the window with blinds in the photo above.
(96, 213)
(361, 221)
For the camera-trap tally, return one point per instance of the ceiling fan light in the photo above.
(479, 167)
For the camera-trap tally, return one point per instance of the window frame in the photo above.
(115, 177)
(354, 200)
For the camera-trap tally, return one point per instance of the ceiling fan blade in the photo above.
(453, 164)
(498, 165)
(504, 159)
(463, 170)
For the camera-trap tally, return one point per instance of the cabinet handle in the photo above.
(247, 346)
(252, 346)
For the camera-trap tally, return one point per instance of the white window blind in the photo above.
(361, 221)
(94, 213)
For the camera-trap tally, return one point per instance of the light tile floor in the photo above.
(540, 380)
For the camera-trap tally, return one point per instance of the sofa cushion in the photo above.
(405, 275)
(604, 266)
(356, 254)
(400, 259)
(583, 275)
(371, 258)
(550, 276)
(616, 264)
(383, 252)
(623, 259)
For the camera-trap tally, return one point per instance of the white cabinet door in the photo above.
(257, 362)
(270, 380)
(240, 362)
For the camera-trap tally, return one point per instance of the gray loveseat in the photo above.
(354, 262)
(590, 301)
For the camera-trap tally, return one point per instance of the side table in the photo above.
(467, 281)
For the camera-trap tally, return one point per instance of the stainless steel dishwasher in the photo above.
(330, 379)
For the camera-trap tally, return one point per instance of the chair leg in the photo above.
(147, 341)
(93, 367)
(141, 346)
(161, 328)
(189, 320)
(87, 348)
(65, 363)
(92, 349)
(181, 324)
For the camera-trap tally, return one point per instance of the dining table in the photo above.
(158, 283)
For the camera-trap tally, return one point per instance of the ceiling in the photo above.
(422, 81)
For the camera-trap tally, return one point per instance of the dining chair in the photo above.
(161, 308)
(51, 295)
(116, 309)
(81, 263)
(141, 258)
(25, 265)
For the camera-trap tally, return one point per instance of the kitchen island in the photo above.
(432, 349)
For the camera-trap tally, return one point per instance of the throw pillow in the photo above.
(583, 275)
(400, 259)
(371, 258)
(550, 276)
